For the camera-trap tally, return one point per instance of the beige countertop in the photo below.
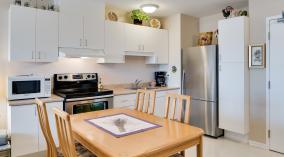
(53, 98)
(123, 89)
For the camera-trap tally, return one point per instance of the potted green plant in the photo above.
(138, 16)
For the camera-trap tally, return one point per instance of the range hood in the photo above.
(141, 54)
(80, 53)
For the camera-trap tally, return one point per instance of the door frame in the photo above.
(268, 22)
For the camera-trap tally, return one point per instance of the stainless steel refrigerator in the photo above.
(200, 81)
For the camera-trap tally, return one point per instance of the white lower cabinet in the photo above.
(26, 134)
(128, 101)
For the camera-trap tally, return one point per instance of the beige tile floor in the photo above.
(221, 148)
(226, 148)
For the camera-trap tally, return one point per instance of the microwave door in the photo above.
(25, 89)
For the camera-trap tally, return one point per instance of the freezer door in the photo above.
(204, 115)
(200, 72)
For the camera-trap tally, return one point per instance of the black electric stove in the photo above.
(81, 93)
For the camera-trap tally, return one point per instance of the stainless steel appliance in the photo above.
(28, 87)
(200, 81)
(81, 93)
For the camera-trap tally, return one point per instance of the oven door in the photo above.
(88, 105)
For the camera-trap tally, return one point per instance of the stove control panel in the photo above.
(76, 77)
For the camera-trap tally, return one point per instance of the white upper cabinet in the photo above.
(22, 29)
(236, 30)
(81, 24)
(160, 42)
(33, 35)
(138, 38)
(47, 36)
(114, 43)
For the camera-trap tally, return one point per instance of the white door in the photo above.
(114, 41)
(70, 30)
(24, 130)
(52, 124)
(46, 36)
(94, 24)
(22, 33)
(277, 86)
(134, 38)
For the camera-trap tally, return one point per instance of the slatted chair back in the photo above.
(146, 101)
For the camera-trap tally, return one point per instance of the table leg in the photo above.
(200, 148)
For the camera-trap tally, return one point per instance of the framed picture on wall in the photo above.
(257, 56)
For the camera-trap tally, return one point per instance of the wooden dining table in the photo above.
(172, 137)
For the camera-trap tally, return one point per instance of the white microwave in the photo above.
(28, 87)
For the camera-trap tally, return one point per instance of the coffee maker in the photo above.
(161, 78)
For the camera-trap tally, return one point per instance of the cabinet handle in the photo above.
(39, 55)
(86, 42)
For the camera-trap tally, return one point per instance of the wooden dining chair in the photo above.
(146, 101)
(177, 111)
(45, 128)
(65, 136)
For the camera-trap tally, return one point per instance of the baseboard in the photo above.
(258, 145)
(236, 137)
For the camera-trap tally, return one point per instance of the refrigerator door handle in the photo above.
(183, 82)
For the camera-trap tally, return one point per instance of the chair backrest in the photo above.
(178, 101)
(45, 128)
(64, 132)
(145, 101)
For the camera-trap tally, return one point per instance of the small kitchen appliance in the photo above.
(81, 93)
(161, 78)
(28, 87)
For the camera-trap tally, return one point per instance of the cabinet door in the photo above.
(162, 46)
(232, 38)
(70, 30)
(22, 23)
(124, 101)
(94, 24)
(46, 36)
(114, 42)
(51, 118)
(149, 36)
(134, 38)
(24, 130)
(232, 111)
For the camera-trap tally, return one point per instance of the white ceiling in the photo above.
(196, 8)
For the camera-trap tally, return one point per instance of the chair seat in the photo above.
(81, 151)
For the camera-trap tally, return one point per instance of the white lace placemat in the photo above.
(120, 125)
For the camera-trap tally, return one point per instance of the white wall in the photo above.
(259, 10)
(135, 67)
(210, 23)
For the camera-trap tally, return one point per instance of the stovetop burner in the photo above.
(71, 86)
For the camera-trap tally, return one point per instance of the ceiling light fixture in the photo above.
(149, 8)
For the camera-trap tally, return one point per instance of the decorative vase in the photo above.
(137, 22)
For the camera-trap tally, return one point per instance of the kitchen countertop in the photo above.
(122, 89)
(53, 98)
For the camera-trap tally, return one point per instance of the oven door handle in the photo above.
(89, 98)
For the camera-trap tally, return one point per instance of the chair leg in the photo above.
(182, 153)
